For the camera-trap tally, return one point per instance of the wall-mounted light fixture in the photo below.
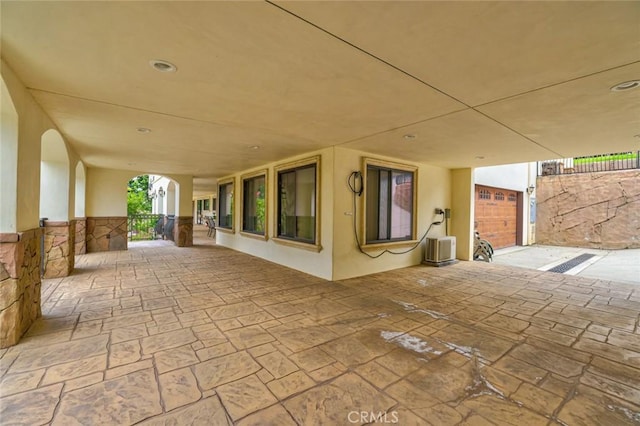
(530, 189)
(161, 192)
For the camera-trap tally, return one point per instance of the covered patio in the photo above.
(207, 335)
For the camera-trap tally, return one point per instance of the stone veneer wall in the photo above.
(183, 231)
(59, 248)
(81, 235)
(106, 234)
(595, 210)
(19, 284)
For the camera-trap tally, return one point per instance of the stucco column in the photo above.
(462, 212)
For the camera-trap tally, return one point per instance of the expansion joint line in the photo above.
(408, 74)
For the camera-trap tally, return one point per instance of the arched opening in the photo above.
(142, 222)
(54, 177)
(152, 204)
(8, 161)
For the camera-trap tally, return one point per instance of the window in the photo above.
(484, 194)
(225, 210)
(513, 198)
(298, 186)
(499, 196)
(254, 200)
(390, 202)
(206, 204)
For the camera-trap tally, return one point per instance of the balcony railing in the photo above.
(145, 226)
(593, 163)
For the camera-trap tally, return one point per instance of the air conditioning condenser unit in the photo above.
(440, 251)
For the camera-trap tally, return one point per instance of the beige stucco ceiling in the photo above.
(505, 81)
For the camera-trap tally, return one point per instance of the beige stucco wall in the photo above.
(107, 192)
(339, 257)
(311, 262)
(433, 189)
(32, 124)
(54, 203)
(462, 211)
(80, 190)
(8, 165)
(597, 210)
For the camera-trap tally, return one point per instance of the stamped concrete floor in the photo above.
(205, 335)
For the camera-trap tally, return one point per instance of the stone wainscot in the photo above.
(59, 248)
(20, 283)
(183, 231)
(106, 234)
(595, 210)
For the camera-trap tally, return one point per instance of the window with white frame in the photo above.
(389, 202)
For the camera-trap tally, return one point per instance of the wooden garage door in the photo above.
(496, 215)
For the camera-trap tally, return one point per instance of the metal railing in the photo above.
(589, 164)
(145, 226)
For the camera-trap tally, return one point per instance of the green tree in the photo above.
(260, 209)
(138, 201)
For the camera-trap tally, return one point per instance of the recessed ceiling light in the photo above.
(479, 157)
(131, 164)
(143, 130)
(163, 66)
(254, 147)
(627, 85)
(409, 136)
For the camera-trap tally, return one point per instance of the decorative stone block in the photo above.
(183, 231)
(20, 258)
(81, 236)
(59, 248)
(593, 210)
(106, 234)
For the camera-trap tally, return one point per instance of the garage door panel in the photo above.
(496, 217)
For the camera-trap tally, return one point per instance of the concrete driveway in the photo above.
(613, 265)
